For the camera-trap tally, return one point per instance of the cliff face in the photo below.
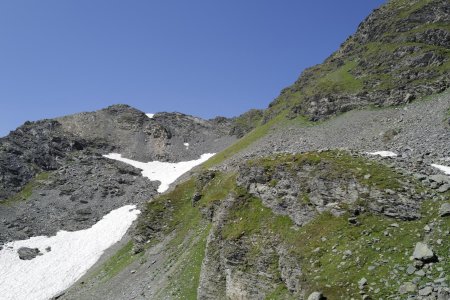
(399, 53)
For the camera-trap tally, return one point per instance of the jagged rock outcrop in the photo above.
(305, 186)
(165, 137)
(399, 53)
(83, 189)
(53, 177)
(32, 148)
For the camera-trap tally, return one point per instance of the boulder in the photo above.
(423, 253)
(407, 287)
(444, 210)
(440, 179)
(28, 253)
(316, 296)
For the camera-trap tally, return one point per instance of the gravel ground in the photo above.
(418, 132)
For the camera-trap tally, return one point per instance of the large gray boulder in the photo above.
(316, 296)
(28, 253)
(444, 210)
(423, 252)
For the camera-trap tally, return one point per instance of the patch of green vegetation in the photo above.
(406, 7)
(338, 164)
(280, 292)
(220, 187)
(27, 190)
(244, 142)
(379, 248)
(116, 263)
(246, 122)
(369, 67)
(184, 283)
(339, 80)
(174, 213)
(168, 211)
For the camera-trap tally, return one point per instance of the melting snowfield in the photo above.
(444, 169)
(164, 172)
(69, 257)
(383, 153)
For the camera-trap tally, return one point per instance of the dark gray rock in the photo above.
(28, 253)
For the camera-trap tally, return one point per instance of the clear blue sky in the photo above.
(205, 58)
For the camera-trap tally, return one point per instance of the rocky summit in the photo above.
(340, 189)
(53, 174)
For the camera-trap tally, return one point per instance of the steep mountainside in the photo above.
(300, 210)
(398, 54)
(282, 226)
(316, 200)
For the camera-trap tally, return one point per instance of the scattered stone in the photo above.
(426, 291)
(444, 210)
(28, 253)
(362, 283)
(353, 221)
(427, 228)
(196, 198)
(410, 270)
(418, 264)
(439, 179)
(394, 225)
(407, 287)
(316, 296)
(444, 188)
(420, 273)
(423, 252)
(48, 249)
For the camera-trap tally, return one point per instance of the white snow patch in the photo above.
(445, 169)
(150, 115)
(383, 153)
(186, 145)
(70, 257)
(164, 172)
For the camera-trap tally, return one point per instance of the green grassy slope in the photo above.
(400, 49)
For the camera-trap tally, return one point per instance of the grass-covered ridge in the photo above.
(398, 54)
(379, 246)
(340, 164)
(243, 143)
